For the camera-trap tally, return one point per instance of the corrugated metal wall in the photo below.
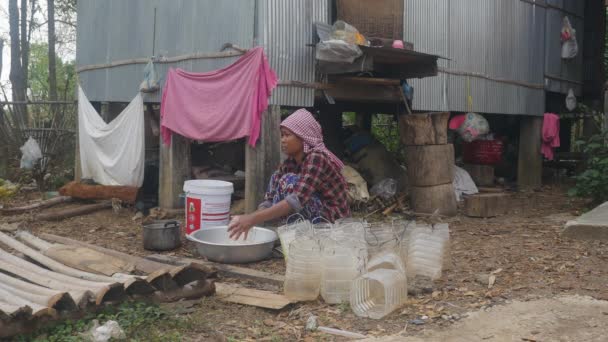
(112, 30)
(500, 39)
(285, 29)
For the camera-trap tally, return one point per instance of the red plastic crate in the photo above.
(483, 152)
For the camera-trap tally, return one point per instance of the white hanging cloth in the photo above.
(112, 153)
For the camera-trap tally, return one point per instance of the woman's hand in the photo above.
(240, 225)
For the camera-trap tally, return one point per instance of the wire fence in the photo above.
(51, 123)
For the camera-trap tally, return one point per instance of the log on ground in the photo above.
(439, 199)
(482, 175)
(430, 165)
(73, 212)
(127, 194)
(486, 205)
(35, 206)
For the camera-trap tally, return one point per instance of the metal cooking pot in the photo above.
(215, 244)
(162, 236)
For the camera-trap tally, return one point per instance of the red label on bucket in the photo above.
(193, 214)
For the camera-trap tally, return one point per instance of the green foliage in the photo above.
(140, 321)
(39, 74)
(593, 181)
(386, 130)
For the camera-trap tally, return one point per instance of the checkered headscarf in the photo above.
(304, 125)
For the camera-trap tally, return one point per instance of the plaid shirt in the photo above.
(318, 175)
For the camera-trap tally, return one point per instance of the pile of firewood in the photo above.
(66, 280)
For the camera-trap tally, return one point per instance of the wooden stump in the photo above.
(426, 200)
(430, 165)
(486, 205)
(483, 175)
(424, 129)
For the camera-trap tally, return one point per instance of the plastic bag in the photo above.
(463, 183)
(386, 188)
(347, 33)
(110, 330)
(31, 154)
(473, 126)
(569, 42)
(571, 100)
(150, 83)
(337, 51)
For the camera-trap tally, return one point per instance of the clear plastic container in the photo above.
(378, 293)
(341, 262)
(389, 261)
(303, 273)
(381, 238)
(289, 232)
(428, 250)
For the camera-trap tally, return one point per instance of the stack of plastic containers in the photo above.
(289, 232)
(343, 259)
(382, 289)
(427, 251)
(303, 274)
(381, 237)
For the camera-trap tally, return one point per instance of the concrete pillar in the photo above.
(530, 165)
(175, 169)
(263, 160)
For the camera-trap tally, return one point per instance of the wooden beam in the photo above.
(175, 169)
(263, 160)
(530, 164)
(226, 270)
(365, 93)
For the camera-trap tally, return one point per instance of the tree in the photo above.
(17, 74)
(51, 51)
(40, 78)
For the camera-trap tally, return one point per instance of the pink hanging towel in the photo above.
(550, 135)
(220, 105)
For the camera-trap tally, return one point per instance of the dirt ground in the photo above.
(523, 251)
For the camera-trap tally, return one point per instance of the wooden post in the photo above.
(529, 173)
(263, 160)
(175, 168)
(77, 165)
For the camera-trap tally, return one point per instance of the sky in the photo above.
(6, 54)
(4, 33)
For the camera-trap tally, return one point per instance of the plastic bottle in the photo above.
(303, 273)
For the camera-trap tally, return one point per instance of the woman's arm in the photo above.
(242, 224)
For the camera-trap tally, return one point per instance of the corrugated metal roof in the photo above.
(497, 39)
(285, 30)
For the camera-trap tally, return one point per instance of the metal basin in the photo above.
(215, 244)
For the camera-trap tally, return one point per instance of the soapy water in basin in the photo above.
(220, 236)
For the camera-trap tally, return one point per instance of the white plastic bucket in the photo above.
(207, 204)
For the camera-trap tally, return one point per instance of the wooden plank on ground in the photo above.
(89, 260)
(141, 264)
(228, 270)
(241, 295)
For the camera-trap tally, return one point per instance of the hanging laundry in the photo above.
(220, 105)
(550, 135)
(112, 153)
